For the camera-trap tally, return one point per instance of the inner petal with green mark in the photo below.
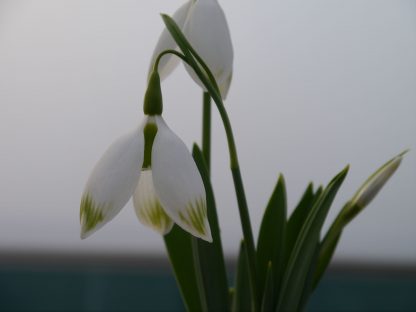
(147, 206)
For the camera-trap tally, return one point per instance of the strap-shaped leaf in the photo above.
(303, 251)
(243, 300)
(298, 217)
(309, 286)
(211, 258)
(268, 302)
(270, 245)
(324, 258)
(179, 248)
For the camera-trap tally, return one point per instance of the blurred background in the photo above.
(316, 85)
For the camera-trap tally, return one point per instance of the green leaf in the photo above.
(309, 286)
(210, 255)
(326, 251)
(303, 251)
(298, 218)
(270, 245)
(243, 300)
(179, 247)
(367, 191)
(268, 303)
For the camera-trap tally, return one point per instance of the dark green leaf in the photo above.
(268, 301)
(325, 256)
(242, 295)
(309, 287)
(297, 219)
(270, 245)
(179, 248)
(303, 251)
(210, 255)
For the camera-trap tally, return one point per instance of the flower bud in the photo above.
(375, 182)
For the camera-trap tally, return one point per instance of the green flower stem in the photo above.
(206, 129)
(247, 233)
(210, 84)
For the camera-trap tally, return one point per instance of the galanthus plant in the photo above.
(172, 192)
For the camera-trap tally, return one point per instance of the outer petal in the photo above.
(207, 30)
(168, 63)
(112, 182)
(178, 183)
(147, 206)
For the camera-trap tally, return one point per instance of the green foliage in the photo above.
(271, 240)
(210, 256)
(267, 302)
(243, 301)
(302, 254)
(290, 258)
(179, 247)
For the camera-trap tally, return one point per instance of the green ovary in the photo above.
(90, 213)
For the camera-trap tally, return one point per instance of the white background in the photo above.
(317, 85)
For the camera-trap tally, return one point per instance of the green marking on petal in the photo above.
(90, 213)
(152, 212)
(195, 215)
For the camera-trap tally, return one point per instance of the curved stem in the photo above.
(210, 84)
(206, 129)
(162, 54)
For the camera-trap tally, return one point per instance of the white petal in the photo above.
(207, 30)
(168, 63)
(112, 182)
(147, 206)
(178, 183)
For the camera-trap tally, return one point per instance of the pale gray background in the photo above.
(317, 85)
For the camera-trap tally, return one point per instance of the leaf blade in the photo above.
(242, 299)
(304, 248)
(179, 247)
(271, 239)
(210, 255)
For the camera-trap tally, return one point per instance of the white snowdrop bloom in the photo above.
(152, 165)
(204, 25)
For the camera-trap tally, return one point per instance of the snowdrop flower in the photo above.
(204, 25)
(152, 165)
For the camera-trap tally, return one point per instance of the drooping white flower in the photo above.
(154, 166)
(204, 25)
